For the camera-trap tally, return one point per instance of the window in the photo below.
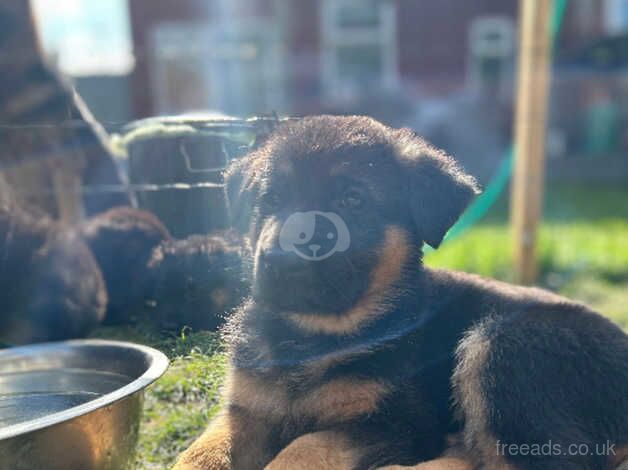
(616, 16)
(359, 46)
(232, 67)
(86, 37)
(492, 46)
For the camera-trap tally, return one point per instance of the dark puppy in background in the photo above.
(366, 358)
(50, 284)
(197, 281)
(122, 240)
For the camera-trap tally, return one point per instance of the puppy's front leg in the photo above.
(323, 450)
(211, 451)
(231, 442)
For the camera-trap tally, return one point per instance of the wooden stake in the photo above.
(530, 123)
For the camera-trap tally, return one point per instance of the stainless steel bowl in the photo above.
(74, 404)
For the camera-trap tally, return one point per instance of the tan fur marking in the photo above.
(342, 399)
(212, 450)
(446, 463)
(472, 355)
(255, 394)
(317, 368)
(620, 459)
(393, 256)
(269, 233)
(455, 457)
(325, 450)
(335, 401)
(232, 441)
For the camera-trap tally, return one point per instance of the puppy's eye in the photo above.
(352, 198)
(271, 200)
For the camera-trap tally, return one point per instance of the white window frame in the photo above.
(334, 36)
(478, 47)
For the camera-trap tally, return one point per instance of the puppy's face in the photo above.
(328, 201)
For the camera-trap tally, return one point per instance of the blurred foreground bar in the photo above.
(50, 141)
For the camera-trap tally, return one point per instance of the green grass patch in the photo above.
(572, 203)
(565, 249)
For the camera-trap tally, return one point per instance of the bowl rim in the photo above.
(158, 363)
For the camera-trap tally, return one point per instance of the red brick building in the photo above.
(304, 56)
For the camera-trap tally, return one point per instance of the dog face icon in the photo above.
(314, 235)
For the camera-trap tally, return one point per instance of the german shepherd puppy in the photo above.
(365, 358)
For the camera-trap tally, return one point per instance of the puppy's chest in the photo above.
(302, 396)
(304, 384)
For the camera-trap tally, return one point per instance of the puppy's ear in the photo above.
(239, 193)
(437, 190)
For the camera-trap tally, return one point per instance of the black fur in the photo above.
(122, 240)
(460, 353)
(197, 281)
(50, 285)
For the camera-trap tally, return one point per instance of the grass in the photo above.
(583, 247)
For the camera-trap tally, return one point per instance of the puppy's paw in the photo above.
(211, 451)
(207, 463)
(447, 463)
(325, 450)
(185, 466)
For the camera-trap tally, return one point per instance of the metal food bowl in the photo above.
(74, 404)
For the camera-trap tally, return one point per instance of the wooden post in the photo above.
(66, 182)
(530, 123)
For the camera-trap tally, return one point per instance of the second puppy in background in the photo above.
(122, 240)
(197, 281)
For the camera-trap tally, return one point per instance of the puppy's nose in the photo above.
(314, 247)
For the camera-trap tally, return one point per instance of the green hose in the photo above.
(478, 209)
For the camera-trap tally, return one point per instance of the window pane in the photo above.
(359, 64)
(363, 14)
(617, 16)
